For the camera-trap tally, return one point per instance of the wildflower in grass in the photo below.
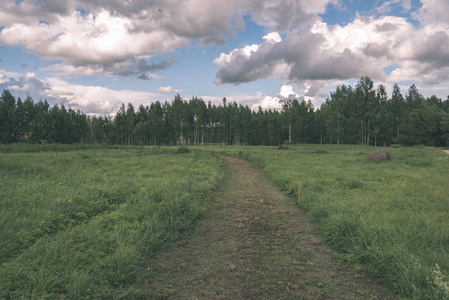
(438, 280)
(59, 200)
(70, 200)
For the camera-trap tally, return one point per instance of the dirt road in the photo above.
(254, 243)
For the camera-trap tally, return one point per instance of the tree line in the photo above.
(350, 115)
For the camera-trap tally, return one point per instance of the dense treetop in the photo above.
(350, 115)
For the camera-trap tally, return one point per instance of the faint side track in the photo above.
(254, 243)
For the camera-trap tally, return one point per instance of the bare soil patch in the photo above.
(254, 243)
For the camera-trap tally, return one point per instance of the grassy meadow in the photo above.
(391, 218)
(78, 224)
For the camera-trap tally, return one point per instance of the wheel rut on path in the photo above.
(254, 243)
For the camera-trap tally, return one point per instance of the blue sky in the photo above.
(95, 55)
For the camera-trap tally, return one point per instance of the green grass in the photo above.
(79, 221)
(79, 224)
(392, 217)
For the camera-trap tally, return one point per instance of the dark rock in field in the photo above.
(283, 147)
(379, 156)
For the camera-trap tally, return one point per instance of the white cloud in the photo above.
(95, 99)
(84, 33)
(433, 11)
(387, 5)
(407, 5)
(125, 38)
(94, 44)
(88, 99)
(367, 46)
(65, 70)
(364, 32)
(168, 90)
(98, 37)
(131, 67)
(322, 53)
(267, 103)
(6, 75)
(252, 101)
(286, 91)
(285, 94)
(15, 87)
(273, 37)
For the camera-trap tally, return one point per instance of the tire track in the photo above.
(254, 243)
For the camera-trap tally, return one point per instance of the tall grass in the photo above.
(79, 224)
(391, 217)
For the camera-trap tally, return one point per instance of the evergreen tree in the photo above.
(413, 98)
(348, 116)
(8, 117)
(418, 128)
(365, 104)
(397, 108)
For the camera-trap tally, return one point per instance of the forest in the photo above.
(350, 115)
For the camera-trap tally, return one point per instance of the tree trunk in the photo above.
(290, 133)
(363, 133)
(369, 125)
(397, 123)
(338, 128)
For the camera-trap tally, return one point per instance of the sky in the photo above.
(94, 55)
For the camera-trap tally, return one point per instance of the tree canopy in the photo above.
(350, 115)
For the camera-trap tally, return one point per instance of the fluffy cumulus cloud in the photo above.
(22, 85)
(317, 52)
(266, 102)
(314, 53)
(305, 57)
(286, 93)
(433, 11)
(95, 99)
(89, 99)
(128, 38)
(168, 90)
(93, 43)
(6, 76)
(116, 37)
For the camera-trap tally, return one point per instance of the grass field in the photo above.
(79, 224)
(390, 217)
